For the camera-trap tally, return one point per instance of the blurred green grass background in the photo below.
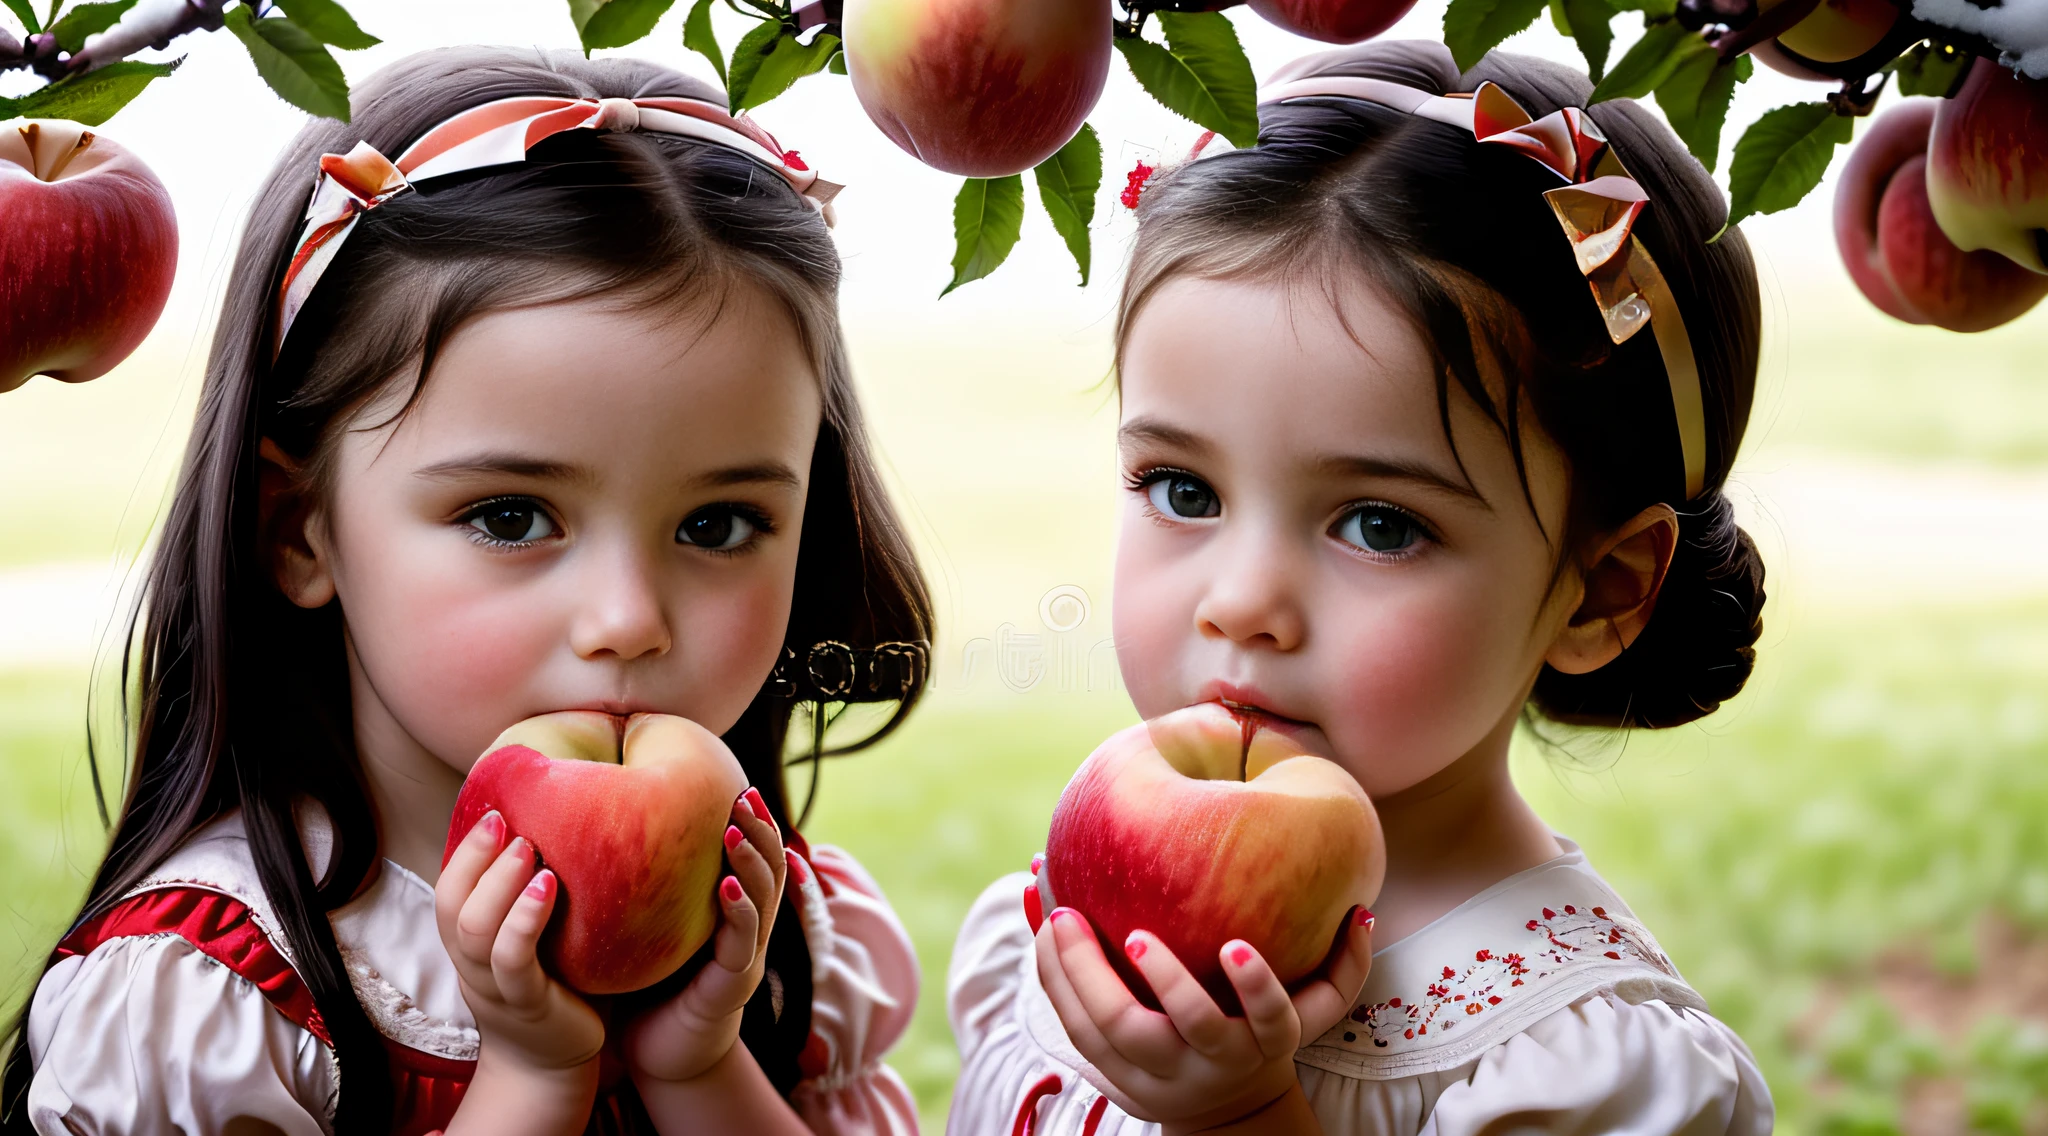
(1850, 861)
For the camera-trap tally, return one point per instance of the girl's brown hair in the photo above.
(243, 698)
(1459, 235)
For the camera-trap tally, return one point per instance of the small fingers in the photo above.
(737, 943)
(515, 964)
(476, 926)
(1193, 1012)
(1144, 1037)
(757, 878)
(1267, 1008)
(480, 846)
(1324, 1002)
(751, 814)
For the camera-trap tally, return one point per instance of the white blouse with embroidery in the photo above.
(150, 1037)
(1540, 1004)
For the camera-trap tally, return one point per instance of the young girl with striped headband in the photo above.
(1427, 405)
(528, 395)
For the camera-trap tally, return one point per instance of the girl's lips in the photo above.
(1305, 735)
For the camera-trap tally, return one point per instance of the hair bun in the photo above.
(1699, 646)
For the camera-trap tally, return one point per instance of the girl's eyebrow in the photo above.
(517, 465)
(760, 473)
(1362, 465)
(1143, 429)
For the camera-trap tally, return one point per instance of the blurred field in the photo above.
(1851, 861)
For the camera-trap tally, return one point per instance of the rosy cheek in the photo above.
(1152, 619)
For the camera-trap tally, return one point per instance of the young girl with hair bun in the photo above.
(1428, 401)
(547, 410)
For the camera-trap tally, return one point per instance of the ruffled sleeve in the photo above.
(149, 1037)
(1600, 1065)
(864, 989)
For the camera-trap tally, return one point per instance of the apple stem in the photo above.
(84, 143)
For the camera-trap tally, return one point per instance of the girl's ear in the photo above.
(1619, 591)
(292, 529)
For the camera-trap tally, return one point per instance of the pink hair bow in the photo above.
(500, 133)
(1597, 208)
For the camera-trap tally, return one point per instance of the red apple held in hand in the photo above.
(981, 88)
(633, 827)
(1987, 165)
(88, 247)
(1201, 830)
(1896, 253)
(1333, 21)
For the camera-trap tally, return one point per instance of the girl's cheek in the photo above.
(1152, 619)
(1424, 679)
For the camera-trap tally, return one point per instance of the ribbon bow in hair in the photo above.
(1597, 207)
(500, 133)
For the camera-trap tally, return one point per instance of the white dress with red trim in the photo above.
(1540, 1004)
(179, 1011)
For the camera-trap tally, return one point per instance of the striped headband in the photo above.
(1597, 207)
(500, 133)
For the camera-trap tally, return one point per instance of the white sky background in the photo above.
(212, 130)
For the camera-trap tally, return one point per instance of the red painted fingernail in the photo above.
(543, 882)
(1364, 917)
(1037, 862)
(754, 801)
(1240, 955)
(1134, 947)
(1034, 907)
(1059, 913)
(493, 826)
(731, 890)
(733, 836)
(797, 867)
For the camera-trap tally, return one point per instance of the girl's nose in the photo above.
(1252, 599)
(619, 613)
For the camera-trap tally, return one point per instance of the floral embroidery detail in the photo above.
(1568, 938)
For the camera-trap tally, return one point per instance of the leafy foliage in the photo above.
(1665, 47)
(329, 23)
(1590, 24)
(1067, 185)
(770, 59)
(698, 37)
(1474, 27)
(295, 64)
(1200, 74)
(82, 20)
(91, 98)
(1782, 156)
(1695, 99)
(615, 23)
(988, 216)
(1931, 69)
(26, 13)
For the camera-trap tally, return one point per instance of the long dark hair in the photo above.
(1459, 235)
(242, 698)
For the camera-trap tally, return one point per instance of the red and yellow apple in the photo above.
(1837, 39)
(982, 88)
(1333, 21)
(631, 817)
(88, 247)
(1987, 165)
(1895, 252)
(1201, 829)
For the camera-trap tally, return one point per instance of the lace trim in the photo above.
(399, 1018)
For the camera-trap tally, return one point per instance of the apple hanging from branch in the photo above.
(1202, 827)
(88, 248)
(1987, 165)
(631, 817)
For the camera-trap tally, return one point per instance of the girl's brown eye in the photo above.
(1178, 495)
(512, 522)
(718, 528)
(1378, 528)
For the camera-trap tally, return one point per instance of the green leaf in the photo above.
(1695, 101)
(1651, 9)
(698, 37)
(91, 98)
(328, 22)
(1590, 24)
(86, 20)
(1782, 156)
(1931, 69)
(295, 64)
(838, 64)
(616, 23)
(1067, 184)
(1474, 27)
(1201, 74)
(26, 13)
(765, 65)
(987, 217)
(1665, 47)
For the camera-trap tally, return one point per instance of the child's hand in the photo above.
(688, 1034)
(491, 907)
(1193, 1066)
